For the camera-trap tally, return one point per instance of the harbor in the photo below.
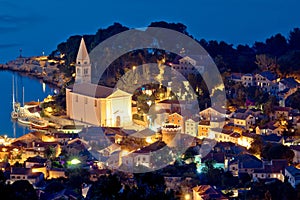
(34, 91)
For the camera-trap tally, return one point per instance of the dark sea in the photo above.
(34, 90)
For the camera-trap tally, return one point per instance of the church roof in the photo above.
(82, 54)
(91, 90)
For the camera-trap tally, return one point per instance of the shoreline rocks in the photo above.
(37, 67)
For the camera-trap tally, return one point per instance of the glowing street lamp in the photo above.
(75, 161)
(187, 197)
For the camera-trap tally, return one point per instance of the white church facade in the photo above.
(95, 104)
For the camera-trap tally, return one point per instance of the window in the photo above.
(95, 103)
(78, 71)
(85, 100)
(76, 98)
(86, 71)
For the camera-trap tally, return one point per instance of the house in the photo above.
(236, 77)
(281, 113)
(145, 135)
(56, 173)
(144, 157)
(245, 163)
(247, 80)
(177, 119)
(190, 64)
(267, 81)
(203, 129)
(293, 175)
(95, 104)
(95, 137)
(272, 138)
(36, 160)
(207, 192)
(25, 174)
(288, 83)
(161, 117)
(246, 139)
(271, 169)
(269, 128)
(191, 126)
(243, 120)
(212, 114)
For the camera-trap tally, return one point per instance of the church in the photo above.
(95, 104)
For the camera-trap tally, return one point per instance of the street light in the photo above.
(187, 197)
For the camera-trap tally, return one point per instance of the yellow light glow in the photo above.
(124, 152)
(75, 161)
(149, 140)
(187, 196)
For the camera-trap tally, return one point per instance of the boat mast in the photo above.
(23, 96)
(17, 89)
(13, 93)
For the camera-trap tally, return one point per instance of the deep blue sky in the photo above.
(39, 25)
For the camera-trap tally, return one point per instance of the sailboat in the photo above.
(15, 105)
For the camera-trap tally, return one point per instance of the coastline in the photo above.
(37, 67)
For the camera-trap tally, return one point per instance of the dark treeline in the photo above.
(277, 53)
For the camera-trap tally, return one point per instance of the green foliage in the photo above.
(212, 174)
(293, 100)
(277, 151)
(106, 188)
(274, 190)
(256, 146)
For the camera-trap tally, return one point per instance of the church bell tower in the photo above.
(83, 64)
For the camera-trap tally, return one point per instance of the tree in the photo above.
(256, 145)
(277, 151)
(293, 100)
(268, 107)
(50, 152)
(23, 190)
(265, 62)
(106, 188)
(212, 174)
(294, 39)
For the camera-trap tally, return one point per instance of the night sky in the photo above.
(37, 25)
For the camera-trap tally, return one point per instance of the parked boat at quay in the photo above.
(34, 91)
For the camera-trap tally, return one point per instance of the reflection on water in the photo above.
(34, 90)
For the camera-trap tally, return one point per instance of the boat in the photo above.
(39, 124)
(24, 120)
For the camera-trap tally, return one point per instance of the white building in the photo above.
(247, 80)
(191, 127)
(293, 175)
(188, 65)
(95, 104)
